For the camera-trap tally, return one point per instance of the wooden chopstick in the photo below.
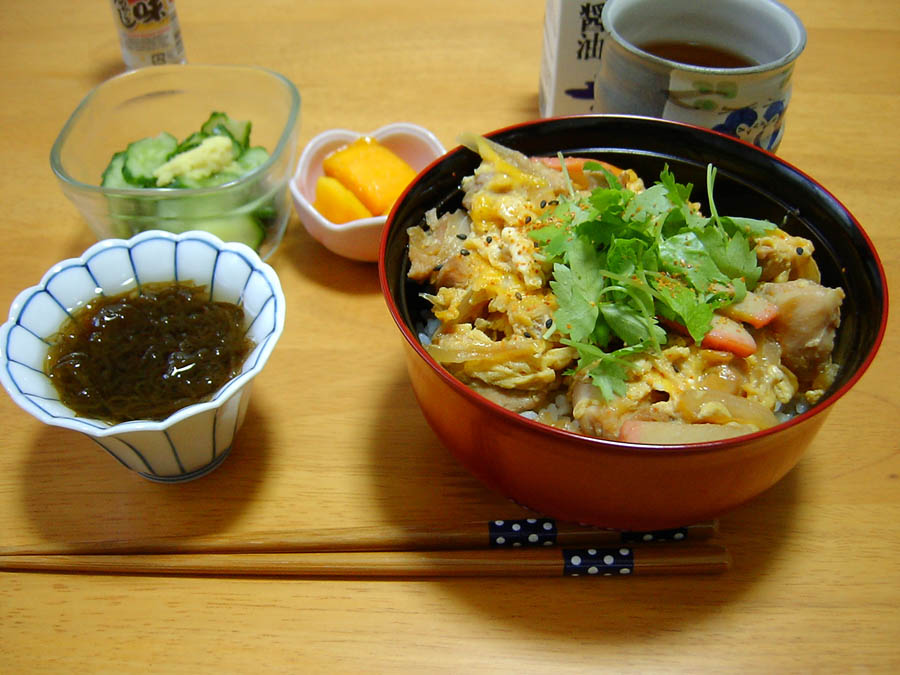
(497, 533)
(677, 559)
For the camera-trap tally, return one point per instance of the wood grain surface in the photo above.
(334, 438)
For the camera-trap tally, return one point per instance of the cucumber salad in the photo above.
(218, 154)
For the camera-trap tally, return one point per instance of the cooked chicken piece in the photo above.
(432, 246)
(808, 316)
(595, 415)
(517, 400)
(507, 189)
(522, 313)
(784, 257)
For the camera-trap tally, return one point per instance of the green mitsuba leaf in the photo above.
(621, 260)
(576, 314)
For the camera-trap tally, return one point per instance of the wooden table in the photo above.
(334, 438)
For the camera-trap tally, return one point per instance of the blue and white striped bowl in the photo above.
(194, 440)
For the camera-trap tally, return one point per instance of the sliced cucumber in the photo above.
(266, 212)
(219, 122)
(123, 210)
(252, 158)
(242, 228)
(112, 175)
(143, 157)
(184, 183)
(220, 178)
(189, 143)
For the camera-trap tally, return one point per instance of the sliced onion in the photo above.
(720, 407)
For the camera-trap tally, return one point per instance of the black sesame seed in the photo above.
(461, 236)
(548, 323)
(799, 250)
(527, 334)
(527, 219)
(518, 295)
(465, 251)
(543, 203)
(489, 239)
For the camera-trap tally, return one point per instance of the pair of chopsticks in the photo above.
(531, 547)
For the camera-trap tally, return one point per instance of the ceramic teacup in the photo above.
(721, 64)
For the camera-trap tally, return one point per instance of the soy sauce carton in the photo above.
(573, 42)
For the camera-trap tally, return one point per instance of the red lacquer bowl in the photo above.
(610, 483)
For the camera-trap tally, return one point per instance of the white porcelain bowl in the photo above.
(358, 239)
(194, 440)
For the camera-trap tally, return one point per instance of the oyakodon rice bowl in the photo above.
(574, 294)
(683, 356)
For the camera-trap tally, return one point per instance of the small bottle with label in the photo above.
(148, 32)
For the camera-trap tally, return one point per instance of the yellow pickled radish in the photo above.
(337, 203)
(371, 171)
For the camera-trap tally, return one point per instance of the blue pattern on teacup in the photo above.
(760, 126)
(752, 110)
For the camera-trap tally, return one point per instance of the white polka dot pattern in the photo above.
(675, 534)
(605, 562)
(525, 532)
(545, 532)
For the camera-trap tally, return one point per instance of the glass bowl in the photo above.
(178, 99)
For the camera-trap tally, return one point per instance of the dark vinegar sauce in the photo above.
(697, 54)
(144, 356)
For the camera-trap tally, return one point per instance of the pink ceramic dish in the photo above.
(358, 239)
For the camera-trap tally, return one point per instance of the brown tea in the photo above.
(697, 54)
